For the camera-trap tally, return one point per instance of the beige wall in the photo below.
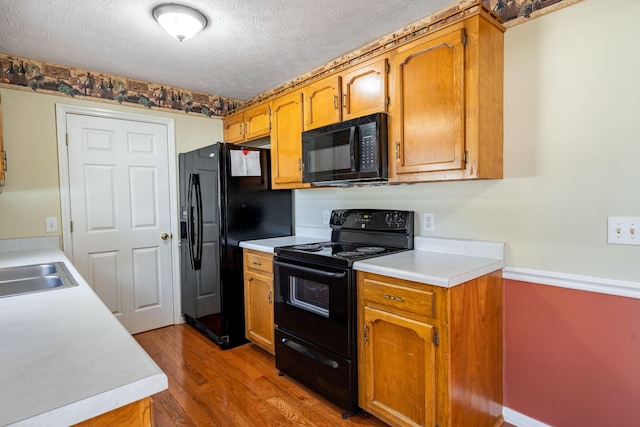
(31, 192)
(571, 151)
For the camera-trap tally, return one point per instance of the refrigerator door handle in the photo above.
(194, 222)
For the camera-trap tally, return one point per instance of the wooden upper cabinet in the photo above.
(447, 104)
(430, 79)
(322, 104)
(248, 125)
(365, 89)
(233, 126)
(286, 141)
(257, 122)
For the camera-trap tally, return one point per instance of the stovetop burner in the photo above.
(370, 249)
(311, 247)
(349, 254)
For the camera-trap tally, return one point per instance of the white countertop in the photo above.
(439, 261)
(434, 261)
(267, 245)
(64, 357)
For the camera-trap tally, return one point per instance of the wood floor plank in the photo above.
(231, 388)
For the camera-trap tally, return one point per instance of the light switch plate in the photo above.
(623, 230)
(51, 224)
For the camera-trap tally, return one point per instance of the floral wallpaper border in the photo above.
(74, 82)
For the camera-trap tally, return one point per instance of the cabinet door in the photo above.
(364, 89)
(257, 122)
(398, 380)
(322, 103)
(429, 127)
(258, 301)
(233, 128)
(286, 142)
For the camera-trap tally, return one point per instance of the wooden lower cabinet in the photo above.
(258, 298)
(428, 355)
(138, 414)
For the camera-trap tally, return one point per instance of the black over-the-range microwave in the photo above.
(350, 151)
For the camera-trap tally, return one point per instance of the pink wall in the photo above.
(572, 358)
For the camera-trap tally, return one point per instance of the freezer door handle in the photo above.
(194, 223)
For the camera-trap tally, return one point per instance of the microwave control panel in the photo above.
(368, 148)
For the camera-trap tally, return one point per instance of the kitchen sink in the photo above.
(34, 278)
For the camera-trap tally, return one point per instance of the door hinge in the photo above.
(436, 338)
(71, 225)
(66, 137)
(465, 39)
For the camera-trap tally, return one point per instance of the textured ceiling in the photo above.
(249, 46)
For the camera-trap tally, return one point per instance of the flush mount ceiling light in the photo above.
(182, 22)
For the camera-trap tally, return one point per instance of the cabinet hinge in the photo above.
(388, 101)
(388, 68)
(66, 137)
(465, 39)
(71, 225)
(436, 338)
(269, 117)
(466, 156)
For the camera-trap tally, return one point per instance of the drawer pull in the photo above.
(392, 298)
(256, 263)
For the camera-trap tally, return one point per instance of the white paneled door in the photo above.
(120, 211)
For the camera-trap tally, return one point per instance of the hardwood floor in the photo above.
(237, 387)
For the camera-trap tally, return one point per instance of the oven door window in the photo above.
(309, 295)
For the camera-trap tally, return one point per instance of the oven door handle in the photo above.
(321, 273)
(310, 354)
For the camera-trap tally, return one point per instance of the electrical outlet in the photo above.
(326, 217)
(51, 224)
(428, 222)
(623, 230)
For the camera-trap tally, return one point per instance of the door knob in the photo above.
(164, 236)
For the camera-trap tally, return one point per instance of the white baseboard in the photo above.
(520, 420)
(573, 281)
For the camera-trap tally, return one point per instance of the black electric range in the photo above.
(315, 299)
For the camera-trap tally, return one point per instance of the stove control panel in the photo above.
(371, 219)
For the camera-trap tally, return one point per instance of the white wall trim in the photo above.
(572, 281)
(520, 420)
(65, 199)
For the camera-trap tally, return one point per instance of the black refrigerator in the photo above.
(225, 198)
